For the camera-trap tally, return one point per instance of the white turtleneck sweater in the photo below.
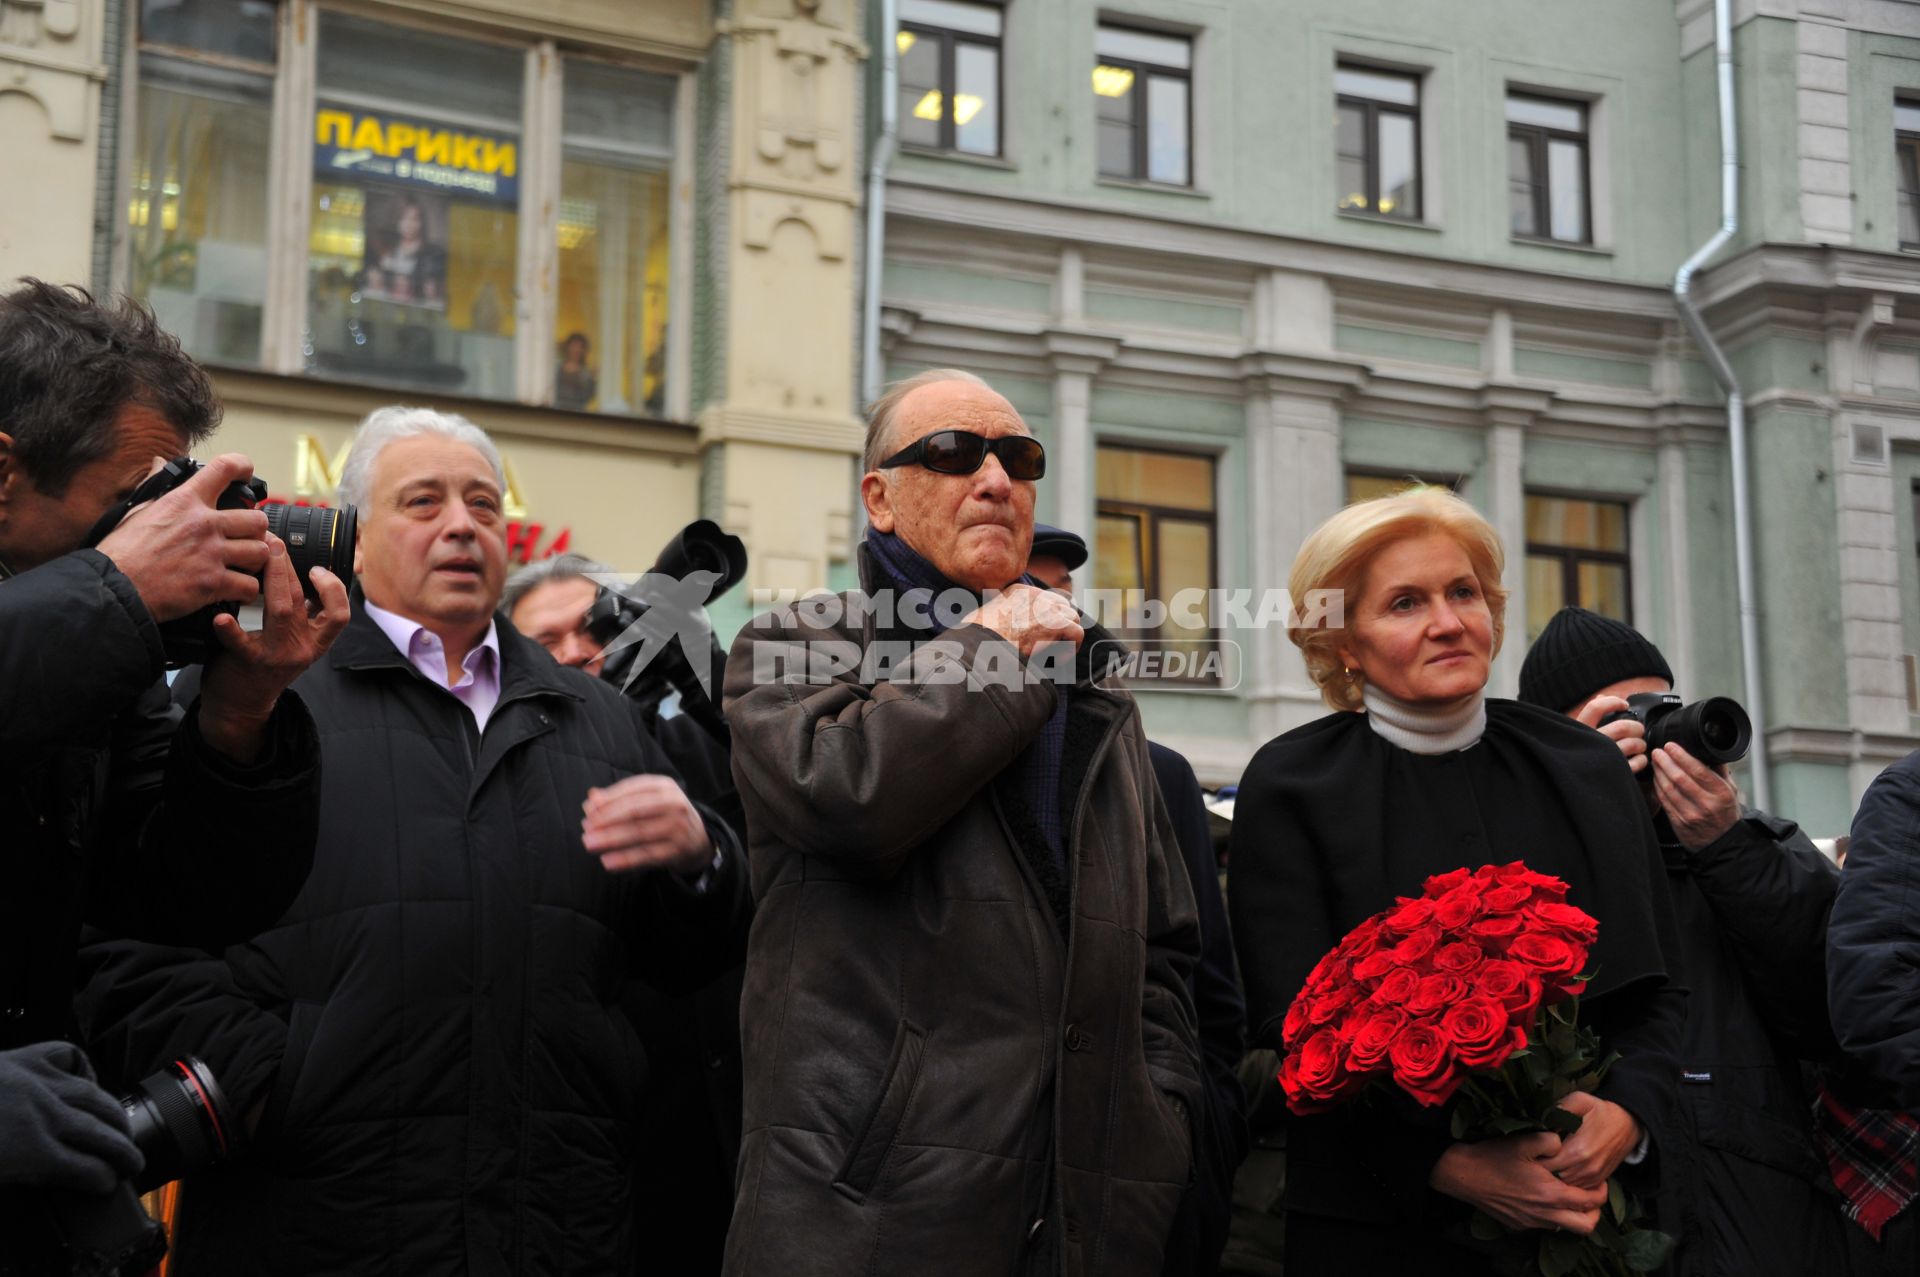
(1427, 729)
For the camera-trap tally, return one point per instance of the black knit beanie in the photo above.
(1581, 652)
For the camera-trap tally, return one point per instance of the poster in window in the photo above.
(406, 253)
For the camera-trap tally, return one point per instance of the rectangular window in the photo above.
(413, 255)
(416, 147)
(1364, 485)
(1576, 556)
(1547, 174)
(949, 59)
(1906, 146)
(1155, 535)
(1143, 90)
(197, 207)
(1377, 141)
(611, 316)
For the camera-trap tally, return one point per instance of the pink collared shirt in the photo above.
(479, 685)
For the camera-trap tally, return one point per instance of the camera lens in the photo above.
(180, 1122)
(316, 537)
(1716, 731)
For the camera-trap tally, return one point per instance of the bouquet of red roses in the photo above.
(1469, 994)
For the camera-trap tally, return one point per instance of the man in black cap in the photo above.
(1743, 1185)
(1200, 1231)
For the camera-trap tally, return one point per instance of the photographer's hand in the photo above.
(1630, 734)
(245, 677)
(1700, 802)
(182, 553)
(646, 822)
(58, 1129)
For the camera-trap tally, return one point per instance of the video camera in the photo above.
(315, 536)
(181, 1123)
(1715, 730)
(619, 622)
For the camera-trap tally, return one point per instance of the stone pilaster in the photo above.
(50, 78)
(784, 411)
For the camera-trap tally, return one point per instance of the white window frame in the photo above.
(290, 202)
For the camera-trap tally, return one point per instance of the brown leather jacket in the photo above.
(936, 1079)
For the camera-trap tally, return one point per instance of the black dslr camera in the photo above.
(1716, 730)
(315, 536)
(181, 1123)
(629, 624)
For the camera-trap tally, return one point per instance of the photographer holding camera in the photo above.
(1743, 1186)
(117, 809)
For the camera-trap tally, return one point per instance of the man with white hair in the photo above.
(428, 1044)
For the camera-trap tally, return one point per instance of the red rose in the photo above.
(1362, 940)
(1493, 931)
(1396, 988)
(1296, 1019)
(1330, 967)
(1513, 985)
(1506, 899)
(1417, 946)
(1546, 953)
(1409, 915)
(1424, 1064)
(1572, 923)
(1373, 1039)
(1320, 1076)
(1435, 994)
(1330, 1003)
(1458, 958)
(1481, 1033)
(1440, 884)
(1374, 965)
(1458, 907)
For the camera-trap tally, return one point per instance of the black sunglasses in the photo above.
(963, 452)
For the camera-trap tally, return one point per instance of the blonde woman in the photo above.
(1417, 772)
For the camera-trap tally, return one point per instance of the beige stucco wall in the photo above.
(782, 433)
(49, 134)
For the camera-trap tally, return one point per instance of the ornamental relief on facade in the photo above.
(41, 58)
(27, 24)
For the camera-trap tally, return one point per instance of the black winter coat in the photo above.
(112, 808)
(434, 1028)
(1221, 1013)
(1742, 1183)
(1873, 962)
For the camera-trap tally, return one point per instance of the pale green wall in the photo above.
(1797, 552)
(1263, 120)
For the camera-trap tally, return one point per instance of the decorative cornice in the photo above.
(1314, 376)
(824, 432)
(1838, 745)
(1079, 351)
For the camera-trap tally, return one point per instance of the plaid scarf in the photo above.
(1874, 1155)
(1040, 763)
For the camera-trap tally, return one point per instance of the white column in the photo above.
(283, 322)
(1505, 504)
(1676, 576)
(1293, 456)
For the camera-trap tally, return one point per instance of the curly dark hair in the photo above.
(69, 364)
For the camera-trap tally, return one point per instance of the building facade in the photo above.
(1239, 263)
(605, 231)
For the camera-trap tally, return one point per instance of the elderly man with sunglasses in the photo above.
(969, 1043)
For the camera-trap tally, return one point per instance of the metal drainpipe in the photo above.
(870, 372)
(1736, 404)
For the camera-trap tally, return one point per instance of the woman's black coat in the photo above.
(1332, 823)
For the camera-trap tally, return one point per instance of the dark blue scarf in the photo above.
(1040, 763)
